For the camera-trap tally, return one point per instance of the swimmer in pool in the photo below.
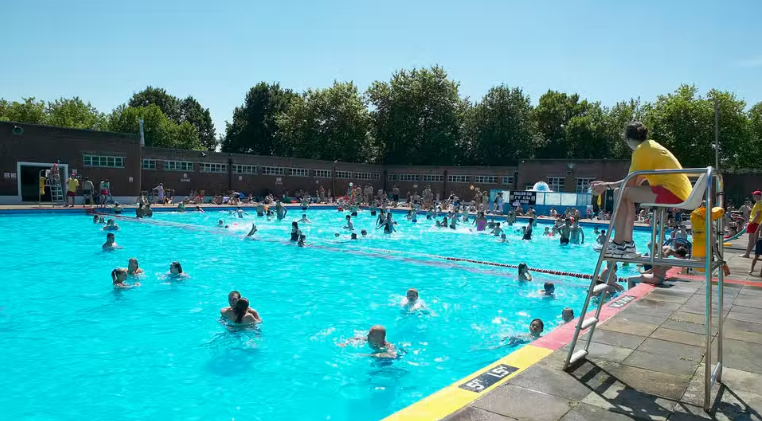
(252, 231)
(567, 315)
(111, 226)
(240, 212)
(118, 278)
(198, 209)
(364, 233)
(176, 271)
(480, 222)
(609, 279)
(295, 232)
(133, 268)
(376, 340)
(576, 232)
(110, 243)
(96, 219)
(503, 238)
(280, 210)
(564, 231)
(535, 331)
(301, 242)
(547, 232)
(548, 290)
(181, 207)
(354, 236)
(239, 314)
(304, 219)
(260, 209)
(524, 274)
(601, 238)
(442, 224)
(350, 226)
(233, 298)
(117, 208)
(412, 302)
(497, 231)
(527, 231)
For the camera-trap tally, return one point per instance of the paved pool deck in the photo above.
(646, 362)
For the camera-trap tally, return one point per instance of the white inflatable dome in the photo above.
(541, 186)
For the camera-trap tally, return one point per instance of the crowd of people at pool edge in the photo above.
(666, 189)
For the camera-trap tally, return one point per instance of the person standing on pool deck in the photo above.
(71, 190)
(105, 190)
(662, 189)
(87, 192)
(755, 217)
(160, 193)
(395, 196)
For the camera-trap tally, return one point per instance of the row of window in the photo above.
(556, 184)
(150, 164)
(430, 178)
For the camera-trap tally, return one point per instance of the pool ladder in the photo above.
(704, 189)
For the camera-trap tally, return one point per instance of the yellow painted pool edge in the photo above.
(452, 398)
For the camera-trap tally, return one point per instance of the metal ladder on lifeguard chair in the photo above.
(47, 179)
(708, 184)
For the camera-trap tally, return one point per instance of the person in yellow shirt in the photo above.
(754, 219)
(71, 190)
(662, 188)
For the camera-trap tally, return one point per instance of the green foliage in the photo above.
(254, 126)
(28, 111)
(168, 104)
(74, 113)
(159, 131)
(417, 117)
(330, 124)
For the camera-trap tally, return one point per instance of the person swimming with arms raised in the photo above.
(376, 340)
(239, 313)
(118, 278)
(233, 298)
(176, 271)
(111, 226)
(133, 268)
(110, 243)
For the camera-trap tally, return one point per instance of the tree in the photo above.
(159, 131)
(500, 129)
(75, 114)
(330, 124)
(168, 104)
(617, 117)
(254, 127)
(29, 111)
(563, 121)
(192, 112)
(417, 117)
(752, 156)
(683, 122)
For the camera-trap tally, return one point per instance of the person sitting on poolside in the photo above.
(524, 274)
(567, 315)
(412, 302)
(304, 219)
(111, 226)
(376, 340)
(252, 231)
(133, 268)
(118, 278)
(548, 289)
(176, 271)
(110, 243)
(535, 331)
(233, 298)
(239, 314)
(117, 209)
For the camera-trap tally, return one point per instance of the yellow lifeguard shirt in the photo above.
(755, 211)
(650, 155)
(72, 184)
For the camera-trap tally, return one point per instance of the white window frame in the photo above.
(244, 169)
(151, 164)
(458, 178)
(433, 178)
(409, 178)
(485, 179)
(273, 171)
(583, 184)
(344, 175)
(102, 161)
(322, 173)
(376, 175)
(391, 177)
(507, 179)
(556, 184)
(361, 175)
(184, 166)
(212, 167)
(299, 172)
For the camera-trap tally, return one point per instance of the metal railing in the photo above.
(713, 245)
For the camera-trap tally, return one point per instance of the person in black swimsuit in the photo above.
(295, 232)
(528, 232)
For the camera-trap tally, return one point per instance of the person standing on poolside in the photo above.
(576, 232)
(160, 193)
(105, 191)
(233, 298)
(755, 217)
(71, 190)
(662, 189)
(87, 192)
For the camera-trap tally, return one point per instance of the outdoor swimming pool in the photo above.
(72, 347)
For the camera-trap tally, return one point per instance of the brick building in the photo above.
(26, 149)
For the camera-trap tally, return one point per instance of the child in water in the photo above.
(118, 278)
(535, 331)
(524, 274)
(549, 290)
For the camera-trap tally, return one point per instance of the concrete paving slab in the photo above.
(749, 301)
(651, 382)
(622, 340)
(747, 310)
(661, 363)
(471, 413)
(551, 382)
(742, 335)
(686, 327)
(625, 400)
(632, 328)
(698, 318)
(524, 404)
(599, 351)
(672, 349)
(679, 336)
(585, 412)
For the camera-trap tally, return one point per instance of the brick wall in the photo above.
(569, 171)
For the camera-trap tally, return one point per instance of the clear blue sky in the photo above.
(105, 50)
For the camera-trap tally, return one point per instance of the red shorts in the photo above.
(71, 194)
(664, 196)
(752, 228)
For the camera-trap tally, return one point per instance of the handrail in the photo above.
(710, 375)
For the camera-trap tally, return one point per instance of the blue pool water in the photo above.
(74, 348)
